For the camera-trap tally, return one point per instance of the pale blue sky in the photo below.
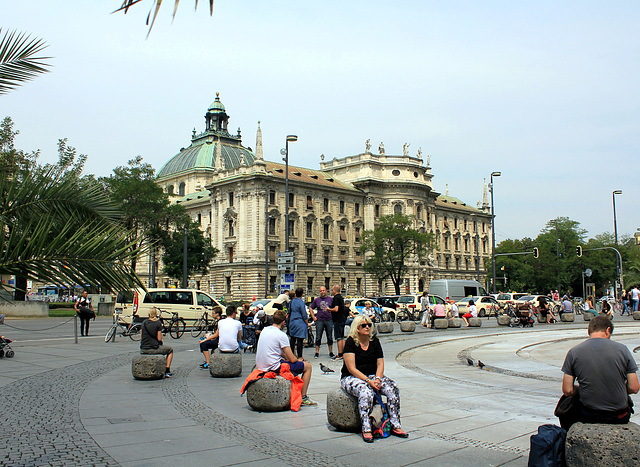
(545, 92)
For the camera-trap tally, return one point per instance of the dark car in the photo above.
(389, 301)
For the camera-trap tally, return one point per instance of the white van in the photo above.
(190, 304)
(456, 289)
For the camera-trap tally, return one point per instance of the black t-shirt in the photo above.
(340, 315)
(366, 360)
(148, 339)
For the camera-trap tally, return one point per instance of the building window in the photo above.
(325, 203)
(343, 233)
(484, 245)
(446, 263)
(291, 228)
(341, 207)
(309, 229)
(419, 212)
(358, 283)
(327, 283)
(457, 243)
(199, 218)
(272, 197)
(231, 254)
(326, 256)
(272, 283)
(325, 231)
(272, 226)
(230, 199)
(457, 263)
(272, 254)
(309, 255)
(465, 224)
(446, 243)
(484, 226)
(356, 208)
(170, 189)
(230, 224)
(357, 229)
(397, 209)
(377, 211)
(309, 202)
(455, 222)
(309, 284)
(291, 199)
(181, 189)
(466, 244)
(228, 284)
(358, 258)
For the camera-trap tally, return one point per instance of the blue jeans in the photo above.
(625, 307)
(327, 327)
(635, 304)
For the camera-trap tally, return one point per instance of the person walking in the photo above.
(298, 324)
(84, 309)
(323, 320)
(624, 298)
(635, 297)
(424, 306)
(339, 316)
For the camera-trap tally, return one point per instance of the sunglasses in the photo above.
(365, 325)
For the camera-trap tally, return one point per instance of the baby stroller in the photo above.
(249, 337)
(523, 315)
(5, 348)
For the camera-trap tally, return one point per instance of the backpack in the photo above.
(547, 447)
(384, 429)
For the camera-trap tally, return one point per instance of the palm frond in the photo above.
(18, 62)
(155, 7)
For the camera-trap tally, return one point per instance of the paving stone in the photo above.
(594, 445)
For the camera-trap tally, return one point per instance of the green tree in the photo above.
(200, 253)
(393, 243)
(18, 61)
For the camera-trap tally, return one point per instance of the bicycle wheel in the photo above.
(176, 328)
(110, 333)
(310, 341)
(135, 331)
(401, 316)
(198, 327)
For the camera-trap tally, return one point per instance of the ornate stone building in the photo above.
(239, 200)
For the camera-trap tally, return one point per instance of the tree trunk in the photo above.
(21, 287)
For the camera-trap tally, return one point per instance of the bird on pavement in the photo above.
(469, 362)
(480, 365)
(325, 369)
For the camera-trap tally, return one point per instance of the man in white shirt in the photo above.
(635, 297)
(274, 349)
(226, 338)
(425, 308)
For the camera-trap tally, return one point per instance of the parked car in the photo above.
(533, 300)
(382, 313)
(389, 301)
(456, 289)
(486, 305)
(504, 298)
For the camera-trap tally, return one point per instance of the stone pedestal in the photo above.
(504, 320)
(441, 323)
(636, 315)
(587, 316)
(407, 326)
(455, 322)
(147, 367)
(269, 394)
(342, 410)
(541, 319)
(225, 365)
(385, 328)
(475, 322)
(597, 445)
(567, 317)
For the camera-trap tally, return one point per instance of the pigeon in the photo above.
(469, 362)
(325, 369)
(480, 365)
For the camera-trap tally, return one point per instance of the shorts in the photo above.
(296, 368)
(211, 344)
(338, 330)
(467, 315)
(162, 350)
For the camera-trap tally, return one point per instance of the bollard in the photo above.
(75, 327)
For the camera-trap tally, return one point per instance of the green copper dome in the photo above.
(217, 106)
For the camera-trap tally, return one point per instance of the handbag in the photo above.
(565, 405)
(383, 429)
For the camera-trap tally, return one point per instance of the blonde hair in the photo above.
(353, 330)
(368, 303)
(153, 312)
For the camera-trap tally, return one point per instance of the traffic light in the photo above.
(579, 251)
(536, 252)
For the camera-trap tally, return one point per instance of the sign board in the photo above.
(285, 267)
(286, 259)
(287, 282)
(286, 254)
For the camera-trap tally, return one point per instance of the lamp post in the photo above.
(615, 229)
(291, 138)
(493, 235)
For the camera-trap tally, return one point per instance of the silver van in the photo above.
(456, 289)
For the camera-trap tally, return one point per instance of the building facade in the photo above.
(239, 200)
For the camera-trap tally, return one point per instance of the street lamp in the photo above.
(493, 234)
(291, 138)
(615, 221)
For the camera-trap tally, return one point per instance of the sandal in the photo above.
(399, 433)
(367, 437)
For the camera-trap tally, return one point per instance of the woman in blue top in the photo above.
(298, 324)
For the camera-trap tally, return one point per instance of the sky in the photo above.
(544, 92)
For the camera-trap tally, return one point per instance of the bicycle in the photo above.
(203, 324)
(175, 327)
(311, 339)
(128, 329)
(407, 314)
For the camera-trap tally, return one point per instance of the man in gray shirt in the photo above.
(606, 374)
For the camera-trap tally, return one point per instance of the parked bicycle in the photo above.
(204, 324)
(131, 329)
(174, 326)
(404, 314)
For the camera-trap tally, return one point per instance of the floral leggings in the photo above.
(358, 388)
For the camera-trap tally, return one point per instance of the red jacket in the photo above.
(296, 383)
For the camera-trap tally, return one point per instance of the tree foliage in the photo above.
(394, 243)
(18, 60)
(200, 253)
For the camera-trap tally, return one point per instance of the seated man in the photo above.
(274, 349)
(210, 341)
(606, 374)
(151, 340)
(228, 335)
(567, 306)
(438, 313)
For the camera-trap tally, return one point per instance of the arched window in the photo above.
(397, 209)
(170, 189)
(181, 189)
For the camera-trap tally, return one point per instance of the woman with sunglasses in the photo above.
(363, 375)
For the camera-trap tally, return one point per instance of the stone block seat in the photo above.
(269, 394)
(587, 316)
(567, 317)
(475, 322)
(441, 323)
(541, 319)
(455, 322)
(385, 328)
(504, 320)
(225, 365)
(148, 367)
(636, 315)
(594, 444)
(342, 411)
(407, 326)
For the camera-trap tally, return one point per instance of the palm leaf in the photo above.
(155, 7)
(18, 62)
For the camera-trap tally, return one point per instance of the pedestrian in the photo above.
(472, 313)
(624, 297)
(84, 309)
(425, 308)
(298, 324)
(339, 317)
(323, 320)
(606, 374)
(151, 340)
(635, 297)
